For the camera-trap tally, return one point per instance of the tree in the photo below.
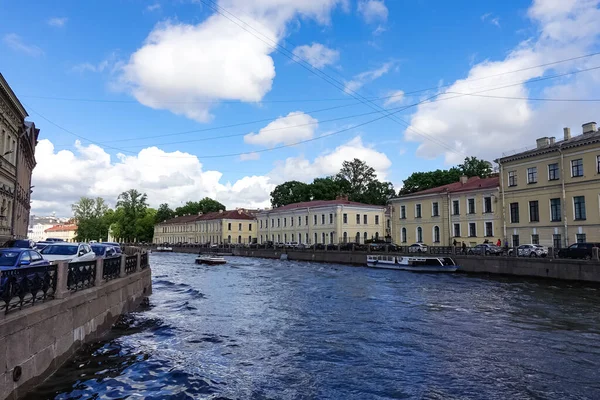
(418, 181)
(472, 166)
(328, 188)
(133, 205)
(205, 205)
(378, 193)
(358, 175)
(164, 213)
(144, 229)
(89, 215)
(290, 192)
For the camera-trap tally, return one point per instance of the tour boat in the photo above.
(419, 264)
(210, 260)
(162, 249)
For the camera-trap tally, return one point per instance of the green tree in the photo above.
(290, 192)
(358, 175)
(418, 181)
(328, 188)
(134, 205)
(472, 166)
(205, 205)
(164, 213)
(144, 229)
(89, 215)
(378, 193)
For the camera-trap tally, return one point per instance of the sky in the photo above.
(184, 99)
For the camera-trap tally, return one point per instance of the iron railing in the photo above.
(130, 264)
(111, 268)
(81, 275)
(26, 286)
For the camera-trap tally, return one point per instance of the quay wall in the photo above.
(37, 340)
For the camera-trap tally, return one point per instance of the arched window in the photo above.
(419, 235)
(323, 237)
(292, 237)
(239, 240)
(345, 237)
(436, 234)
(365, 237)
(376, 235)
(316, 237)
(357, 237)
(229, 239)
(331, 237)
(403, 238)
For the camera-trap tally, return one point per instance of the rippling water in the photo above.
(264, 329)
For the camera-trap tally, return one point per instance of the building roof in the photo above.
(231, 214)
(181, 219)
(323, 203)
(62, 228)
(473, 183)
(13, 97)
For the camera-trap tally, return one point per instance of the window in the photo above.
(556, 241)
(579, 204)
(331, 218)
(356, 238)
(553, 172)
(272, 222)
(419, 235)
(435, 209)
(365, 220)
(514, 213)
(322, 219)
(229, 226)
(489, 229)
(598, 164)
(512, 178)
(471, 206)
(284, 222)
(456, 230)
(306, 220)
(261, 224)
(278, 222)
(315, 220)
(323, 237)
(555, 210)
(487, 204)
(472, 229)
(365, 236)
(403, 238)
(534, 211)
(358, 219)
(581, 238)
(455, 207)
(535, 239)
(250, 227)
(436, 234)
(345, 218)
(532, 175)
(306, 237)
(316, 237)
(345, 237)
(292, 222)
(285, 237)
(418, 211)
(577, 167)
(377, 220)
(402, 212)
(299, 221)
(515, 240)
(239, 227)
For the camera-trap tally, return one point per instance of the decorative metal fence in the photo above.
(111, 268)
(130, 264)
(26, 286)
(81, 275)
(144, 260)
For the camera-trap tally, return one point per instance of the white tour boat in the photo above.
(210, 260)
(419, 264)
(163, 249)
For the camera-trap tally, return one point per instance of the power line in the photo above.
(528, 98)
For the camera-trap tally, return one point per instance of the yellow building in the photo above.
(65, 232)
(466, 211)
(322, 221)
(551, 193)
(235, 226)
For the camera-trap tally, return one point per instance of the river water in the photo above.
(266, 329)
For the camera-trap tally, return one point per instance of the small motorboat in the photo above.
(417, 264)
(210, 259)
(164, 249)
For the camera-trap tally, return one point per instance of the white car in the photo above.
(417, 248)
(530, 250)
(71, 252)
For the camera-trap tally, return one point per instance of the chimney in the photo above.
(220, 211)
(464, 179)
(542, 142)
(590, 127)
(200, 213)
(567, 133)
(552, 140)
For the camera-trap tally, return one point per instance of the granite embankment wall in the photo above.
(35, 341)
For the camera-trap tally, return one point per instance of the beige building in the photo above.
(322, 221)
(235, 227)
(466, 211)
(65, 232)
(551, 194)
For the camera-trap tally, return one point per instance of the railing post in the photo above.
(595, 254)
(99, 271)
(62, 274)
(387, 248)
(138, 265)
(551, 252)
(515, 252)
(122, 270)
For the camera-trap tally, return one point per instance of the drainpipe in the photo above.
(564, 195)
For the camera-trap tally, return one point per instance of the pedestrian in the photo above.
(464, 248)
(455, 243)
(499, 243)
(486, 241)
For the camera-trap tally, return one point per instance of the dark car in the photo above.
(20, 243)
(54, 240)
(116, 246)
(578, 250)
(17, 257)
(104, 250)
(487, 249)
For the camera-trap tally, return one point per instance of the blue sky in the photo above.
(136, 69)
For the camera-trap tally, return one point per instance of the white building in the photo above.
(38, 225)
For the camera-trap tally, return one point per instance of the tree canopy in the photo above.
(290, 192)
(92, 218)
(204, 206)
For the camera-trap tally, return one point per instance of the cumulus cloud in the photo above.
(16, 43)
(180, 65)
(110, 63)
(373, 10)
(358, 81)
(394, 97)
(57, 22)
(486, 127)
(153, 7)
(293, 128)
(317, 55)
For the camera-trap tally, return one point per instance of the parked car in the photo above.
(54, 240)
(292, 245)
(18, 257)
(72, 252)
(578, 250)
(20, 243)
(417, 248)
(104, 250)
(530, 250)
(486, 249)
(116, 246)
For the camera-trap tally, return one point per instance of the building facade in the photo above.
(65, 232)
(322, 221)
(38, 226)
(25, 163)
(551, 194)
(223, 227)
(466, 211)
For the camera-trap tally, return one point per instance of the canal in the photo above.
(266, 329)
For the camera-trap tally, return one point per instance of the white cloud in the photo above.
(58, 22)
(153, 7)
(373, 10)
(293, 128)
(394, 97)
(180, 65)
(317, 55)
(15, 42)
(358, 81)
(492, 20)
(249, 156)
(110, 63)
(486, 127)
